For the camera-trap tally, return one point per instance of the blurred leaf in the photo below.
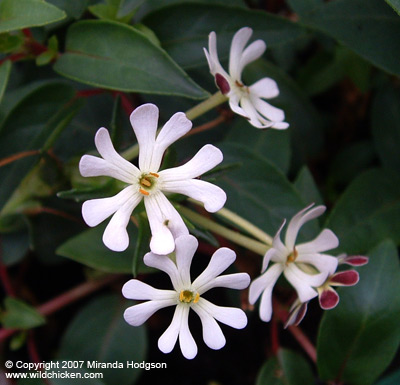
(364, 327)
(395, 4)
(5, 70)
(289, 368)
(302, 6)
(19, 315)
(185, 40)
(367, 212)
(115, 56)
(118, 10)
(142, 242)
(14, 246)
(385, 122)
(307, 188)
(10, 43)
(73, 8)
(366, 27)
(100, 333)
(27, 13)
(393, 379)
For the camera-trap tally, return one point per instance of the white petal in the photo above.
(239, 41)
(324, 263)
(234, 100)
(138, 314)
(299, 220)
(90, 165)
(138, 290)
(205, 159)
(264, 284)
(186, 342)
(212, 333)
(211, 195)
(185, 247)
(326, 240)
(303, 282)
(252, 53)
(281, 252)
(267, 257)
(212, 56)
(144, 121)
(269, 112)
(255, 118)
(280, 125)
(231, 281)
(115, 235)
(265, 88)
(231, 316)
(219, 262)
(165, 264)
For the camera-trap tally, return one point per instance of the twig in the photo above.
(207, 126)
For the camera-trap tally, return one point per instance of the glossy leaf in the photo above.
(395, 4)
(27, 13)
(5, 70)
(367, 212)
(100, 333)
(19, 315)
(364, 327)
(185, 40)
(307, 187)
(114, 56)
(73, 9)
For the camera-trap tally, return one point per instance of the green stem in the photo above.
(234, 236)
(205, 106)
(131, 153)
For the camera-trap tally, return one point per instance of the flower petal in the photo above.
(231, 281)
(138, 290)
(269, 112)
(326, 240)
(219, 262)
(144, 121)
(234, 101)
(251, 53)
(281, 252)
(212, 333)
(212, 56)
(205, 159)
(353, 260)
(265, 88)
(296, 314)
(168, 339)
(345, 278)
(254, 117)
(185, 247)
(211, 195)
(231, 316)
(299, 220)
(138, 314)
(324, 263)
(264, 284)
(239, 41)
(186, 342)
(328, 299)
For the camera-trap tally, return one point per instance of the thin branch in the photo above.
(20, 155)
(207, 126)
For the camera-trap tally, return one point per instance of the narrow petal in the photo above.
(237, 281)
(353, 260)
(303, 283)
(324, 263)
(265, 88)
(328, 299)
(281, 252)
(268, 111)
(138, 290)
(326, 240)
(212, 333)
(231, 316)
(185, 247)
(186, 342)
(138, 314)
(212, 196)
(219, 262)
(165, 264)
(168, 339)
(234, 101)
(254, 117)
(239, 41)
(345, 278)
(296, 314)
(177, 126)
(212, 56)
(299, 220)
(205, 160)
(144, 121)
(252, 53)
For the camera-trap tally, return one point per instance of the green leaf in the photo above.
(73, 9)
(115, 56)
(19, 315)
(368, 212)
(10, 43)
(27, 13)
(100, 333)
(307, 188)
(142, 242)
(5, 70)
(393, 379)
(395, 4)
(385, 122)
(185, 40)
(302, 6)
(14, 246)
(364, 327)
(289, 368)
(366, 27)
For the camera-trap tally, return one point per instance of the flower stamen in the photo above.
(292, 256)
(187, 296)
(144, 192)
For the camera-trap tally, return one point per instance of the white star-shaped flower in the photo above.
(245, 101)
(187, 295)
(303, 265)
(148, 183)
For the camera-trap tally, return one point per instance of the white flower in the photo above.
(243, 100)
(148, 183)
(187, 295)
(303, 265)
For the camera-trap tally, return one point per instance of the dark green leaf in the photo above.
(307, 188)
(368, 212)
(393, 379)
(100, 333)
(115, 56)
(73, 9)
(270, 373)
(395, 4)
(27, 13)
(142, 242)
(5, 70)
(19, 315)
(14, 246)
(364, 327)
(185, 40)
(302, 6)
(10, 42)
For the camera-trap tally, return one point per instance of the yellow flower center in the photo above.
(187, 296)
(292, 256)
(147, 182)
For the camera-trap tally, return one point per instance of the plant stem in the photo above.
(205, 106)
(234, 236)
